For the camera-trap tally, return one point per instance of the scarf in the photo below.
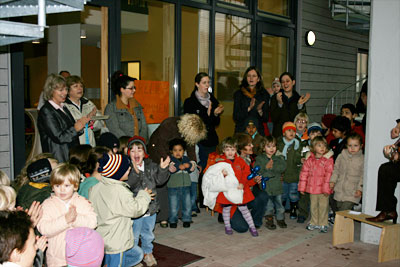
(250, 93)
(132, 105)
(205, 101)
(288, 144)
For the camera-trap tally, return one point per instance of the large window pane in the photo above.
(232, 58)
(195, 47)
(279, 7)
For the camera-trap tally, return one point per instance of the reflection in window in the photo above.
(274, 57)
(279, 7)
(237, 2)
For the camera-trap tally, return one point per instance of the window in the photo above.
(279, 7)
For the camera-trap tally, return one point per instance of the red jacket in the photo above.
(315, 175)
(357, 128)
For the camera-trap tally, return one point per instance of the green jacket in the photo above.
(274, 184)
(33, 192)
(115, 207)
(293, 161)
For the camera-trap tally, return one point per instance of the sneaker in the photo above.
(293, 214)
(301, 219)
(253, 232)
(281, 223)
(186, 224)
(311, 227)
(194, 214)
(228, 231)
(269, 223)
(173, 225)
(323, 229)
(149, 260)
(331, 220)
(164, 224)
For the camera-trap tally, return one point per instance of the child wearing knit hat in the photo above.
(290, 147)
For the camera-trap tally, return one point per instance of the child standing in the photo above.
(290, 147)
(62, 211)
(340, 129)
(347, 177)
(301, 121)
(272, 166)
(179, 184)
(314, 179)
(349, 111)
(145, 174)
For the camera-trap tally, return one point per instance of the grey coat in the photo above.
(152, 176)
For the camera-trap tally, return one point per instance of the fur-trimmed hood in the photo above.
(192, 128)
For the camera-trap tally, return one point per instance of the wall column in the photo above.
(383, 101)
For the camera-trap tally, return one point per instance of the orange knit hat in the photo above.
(288, 125)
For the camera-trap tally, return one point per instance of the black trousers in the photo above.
(388, 177)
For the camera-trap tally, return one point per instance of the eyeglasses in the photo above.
(130, 88)
(302, 121)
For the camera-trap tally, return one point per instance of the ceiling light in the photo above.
(83, 34)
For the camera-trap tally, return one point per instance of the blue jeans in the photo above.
(275, 202)
(290, 194)
(193, 195)
(143, 228)
(176, 197)
(131, 257)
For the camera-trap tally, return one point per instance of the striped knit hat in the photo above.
(84, 247)
(288, 125)
(113, 166)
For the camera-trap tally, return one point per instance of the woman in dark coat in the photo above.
(58, 129)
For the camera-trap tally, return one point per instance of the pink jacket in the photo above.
(53, 225)
(315, 175)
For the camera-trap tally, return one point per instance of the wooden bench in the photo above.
(389, 245)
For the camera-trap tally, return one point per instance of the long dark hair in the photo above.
(198, 78)
(245, 84)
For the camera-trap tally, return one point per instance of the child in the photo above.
(326, 122)
(245, 148)
(123, 145)
(272, 166)
(62, 211)
(314, 179)
(347, 177)
(301, 121)
(109, 140)
(340, 129)
(289, 146)
(115, 207)
(251, 130)
(78, 155)
(145, 174)
(179, 184)
(242, 170)
(194, 178)
(349, 111)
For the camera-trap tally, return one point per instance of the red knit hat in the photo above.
(138, 139)
(327, 120)
(288, 125)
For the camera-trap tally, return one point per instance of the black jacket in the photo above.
(193, 106)
(57, 132)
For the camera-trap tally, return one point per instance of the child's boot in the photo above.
(253, 232)
(269, 223)
(149, 260)
(281, 223)
(228, 230)
(293, 210)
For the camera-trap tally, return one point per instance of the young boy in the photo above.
(347, 177)
(301, 121)
(272, 166)
(340, 129)
(179, 184)
(349, 111)
(145, 174)
(251, 129)
(115, 206)
(289, 146)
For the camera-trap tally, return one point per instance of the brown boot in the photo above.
(269, 223)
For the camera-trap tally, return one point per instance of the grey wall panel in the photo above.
(4, 160)
(4, 143)
(4, 130)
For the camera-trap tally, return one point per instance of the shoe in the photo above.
(331, 220)
(383, 216)
(323, 229)
(173, 225)
(253, 232)
(164, 224)
(186, 224)
(301, 219)
(281, 223)
(269, 223)
(311, 227)
(194, 214)
(149, 260)
(220, 219)
(228, 231)
(293, 210)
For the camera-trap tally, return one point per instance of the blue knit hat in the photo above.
(314, 127)
(113, 166)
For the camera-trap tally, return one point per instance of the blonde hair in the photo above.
(317, 140)
(7, 198)
(301, 115)
(53, 82)
(4, 180)
(65, 171)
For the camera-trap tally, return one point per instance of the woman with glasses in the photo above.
(126, 114)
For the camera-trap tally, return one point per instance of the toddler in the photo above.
(64, 210)
(272, 166)
(314, 179)
(347, 177)
(340, 129)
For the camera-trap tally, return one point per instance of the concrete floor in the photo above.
(293, 246)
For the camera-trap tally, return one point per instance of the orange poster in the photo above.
(154, 97)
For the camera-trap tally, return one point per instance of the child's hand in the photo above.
(257, 179)
(302, 193)
(270, 164)
(164, 163)
(199, 168)
(331, 185)
(303, 160)
(225, 173)
(70, 217)
(172, 167)
(35, 212)
(182, 167)
(186, 165)
(41, 242)
(241, 186)
(358, 193)
(150, 192)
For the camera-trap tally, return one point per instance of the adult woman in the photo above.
(204, 104)
(249, 101)
(126, 114)
(58, 129)
(286, 104)
(80, 106)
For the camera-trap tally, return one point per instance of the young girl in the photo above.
(314, 179)
(245, 147)
(272, 166)
(347, 177)
(62, 211)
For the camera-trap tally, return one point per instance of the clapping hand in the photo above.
(150, 192)
(270, 164)
(279, 98)
(304, 98)
(164, 163)
(71, 215)
(218, 110)
(35, 212)
(252, 104)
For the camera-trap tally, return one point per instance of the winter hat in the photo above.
(288, 125)
(327, 120)
(138, 139)
(39, 171)
(113, 166)
(84, 247)
(108, 140)
(314, 127)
